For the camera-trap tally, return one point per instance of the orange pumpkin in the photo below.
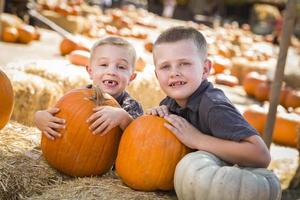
(251, 81)
(286, 128)
(220, 64)
(26, 33)
(69, 44)
(256, 117)
(79, 57)
(10, 34)
(79, 152)
(148, 154)
(226, 79)
(148, 46)
(7, 99)
(262, 91)
(292, 99)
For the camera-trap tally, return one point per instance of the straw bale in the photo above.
(23, 171)
(107, 187)
(145, 88)
(32, 93)
(59, 71)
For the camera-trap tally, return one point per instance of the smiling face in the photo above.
(180, 69)
(111, 68)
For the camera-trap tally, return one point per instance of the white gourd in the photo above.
(202, 176)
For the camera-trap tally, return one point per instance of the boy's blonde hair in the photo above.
(116, 41)
(178, 33)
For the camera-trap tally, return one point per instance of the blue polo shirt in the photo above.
(212, 113)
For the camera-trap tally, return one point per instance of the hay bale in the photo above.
(59, 71)
(107, 187)
(23, 171)
(145, 88)
(32, 93)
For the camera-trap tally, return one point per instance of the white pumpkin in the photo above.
(202, 176)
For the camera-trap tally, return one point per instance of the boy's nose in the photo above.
(175, 72)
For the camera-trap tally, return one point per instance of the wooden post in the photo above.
(2, 2)
(287, 30)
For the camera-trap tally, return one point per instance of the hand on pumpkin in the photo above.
(107, 117)
(159, 111)
(183, 130)
(48, 124)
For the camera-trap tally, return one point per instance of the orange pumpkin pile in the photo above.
(7, 99)
(148, 154)
(22, 34)
(79, 152)
(286, 128)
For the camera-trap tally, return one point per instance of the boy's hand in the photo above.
(47, 123)
(105, 118)
(159, 111)
(183, 130)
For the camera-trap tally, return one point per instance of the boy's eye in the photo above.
(122, 67)
(164, 66)
(103, 65)
(184, 64)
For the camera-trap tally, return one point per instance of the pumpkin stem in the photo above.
(98, 96)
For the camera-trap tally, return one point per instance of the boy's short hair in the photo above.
(177, 33)
(116, 41)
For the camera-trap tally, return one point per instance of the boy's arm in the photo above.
(250, 152)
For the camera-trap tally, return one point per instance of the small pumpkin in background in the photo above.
(292, 99)
(69, 44)
(251, 81)
(10, 34)
(226, 79)
(148, 154)
(201, 175)
(148, 46)
(140, 64)
(26, 33)
(79, 152)
(220, 64)
(79, 57)
(7, 99)
(262, 91)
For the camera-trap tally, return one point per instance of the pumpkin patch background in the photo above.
(42, 66)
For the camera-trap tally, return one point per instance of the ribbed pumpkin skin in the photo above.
(7, 99)
(78, 152)
(202, 176)
(148, 154)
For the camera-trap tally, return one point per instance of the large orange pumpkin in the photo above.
(251, 81)
(7, 99)
(148, 154)
(79, 152)
(286, 128)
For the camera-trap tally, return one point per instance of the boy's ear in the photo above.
(206, 69)
(133, 76)
(89, 70)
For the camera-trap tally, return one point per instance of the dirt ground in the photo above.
(284, 160)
